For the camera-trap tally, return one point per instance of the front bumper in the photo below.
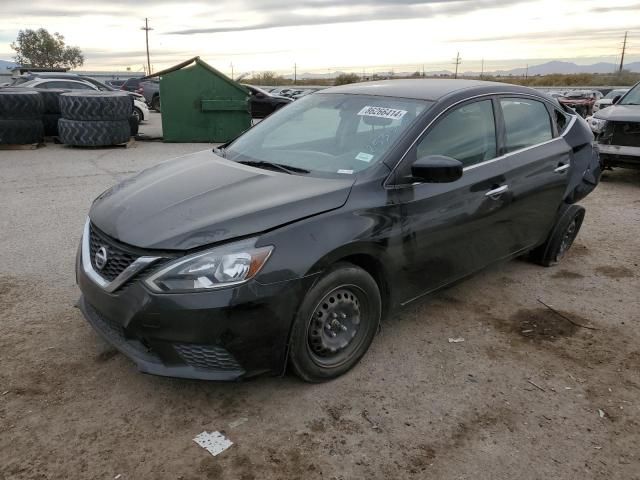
(220, 335)
(618, 155)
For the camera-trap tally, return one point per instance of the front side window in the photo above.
(467, 134)
(334, 134)
(527, 123)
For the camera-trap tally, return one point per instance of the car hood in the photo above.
(620, 113)
(201, 199)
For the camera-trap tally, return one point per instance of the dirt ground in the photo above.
(529, 394)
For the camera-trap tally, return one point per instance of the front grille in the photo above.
(209, 357)
(118, 259)
(625, 134)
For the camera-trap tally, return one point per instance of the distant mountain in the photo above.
(557, 67)
(562, 68)
(6, 65)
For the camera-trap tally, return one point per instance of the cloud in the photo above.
(623, 8)
(322, 12)
(574, 35)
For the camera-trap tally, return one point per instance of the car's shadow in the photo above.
(626, 176)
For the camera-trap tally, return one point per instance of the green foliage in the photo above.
(346, 78)
(267, 78)
(38, 48)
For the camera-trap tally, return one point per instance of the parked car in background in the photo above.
(263, 103)
(581, 101)
(280, 91)
(140, 110)
(151, 92)
(132, 85)
(617, 130)
(345, 206)
(115, 84)
(607, 100)
(103, 87)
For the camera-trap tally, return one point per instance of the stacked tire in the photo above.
(51, 115)
(95, 119)
(21, 117)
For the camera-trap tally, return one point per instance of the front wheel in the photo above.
(335, 324)
(138, 114)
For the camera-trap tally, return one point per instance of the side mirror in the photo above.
(260, 95)
(616, 99)
(436, 169)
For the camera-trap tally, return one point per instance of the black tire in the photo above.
(155, 103)
(138, 114)
(134, 125)
(51, 99)
(20, 103)
(320, 348)
(561, 238)
(95, 106)
(50, 122)
(20, 131)
(93, 133)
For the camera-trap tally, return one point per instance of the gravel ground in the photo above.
(527, 395)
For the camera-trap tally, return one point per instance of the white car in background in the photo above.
(140, 109)
(607, 100)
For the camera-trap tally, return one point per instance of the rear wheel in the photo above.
(335, 324)
(561, 238)
(155, 103)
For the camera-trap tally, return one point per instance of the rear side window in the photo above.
(561, 121)
(467, 134)
(527, 123)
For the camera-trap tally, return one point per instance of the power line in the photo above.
(624, 47)
(457, 63)
(146, 29)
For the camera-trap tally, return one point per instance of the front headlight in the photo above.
(597, 125)
(219, 267)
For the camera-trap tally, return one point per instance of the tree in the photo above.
(345, 78)
(38, 48)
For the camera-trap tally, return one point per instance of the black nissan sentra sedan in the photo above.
(288, 245)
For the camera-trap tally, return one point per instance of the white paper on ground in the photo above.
(213, 442)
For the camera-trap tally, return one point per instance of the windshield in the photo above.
(632, 97)
(615, 93)
(333, 134)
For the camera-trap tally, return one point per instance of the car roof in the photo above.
(425, 89)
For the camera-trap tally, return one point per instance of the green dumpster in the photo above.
(201, 104)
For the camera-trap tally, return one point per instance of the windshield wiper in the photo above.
(277, 166)
(220, 151)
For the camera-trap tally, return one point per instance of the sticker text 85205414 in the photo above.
(382, 112)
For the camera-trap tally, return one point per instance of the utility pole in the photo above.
(295, 73)
(526, 72)
(457, 63)
(624, 47)
(482, 70)
(146, 29)
(232, 77)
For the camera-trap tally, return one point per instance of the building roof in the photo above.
(421, 89)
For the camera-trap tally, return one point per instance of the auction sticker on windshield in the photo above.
(382, 112)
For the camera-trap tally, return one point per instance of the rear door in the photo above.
(538, 162)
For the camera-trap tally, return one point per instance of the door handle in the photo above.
(562, 168)
(497, 191)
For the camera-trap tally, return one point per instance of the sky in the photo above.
(328, 35)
